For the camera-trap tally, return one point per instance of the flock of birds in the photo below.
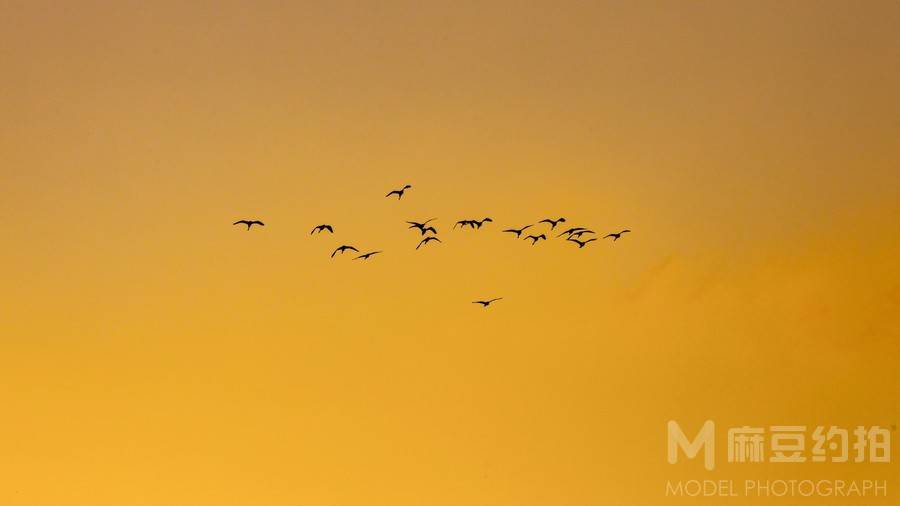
(573, 234)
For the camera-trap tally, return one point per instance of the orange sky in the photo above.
(153, 354)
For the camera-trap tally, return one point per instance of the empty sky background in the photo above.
(151, 353)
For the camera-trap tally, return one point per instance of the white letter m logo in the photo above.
(705, 439)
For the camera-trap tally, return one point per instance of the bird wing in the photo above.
(609, 235)
(328, 228)
(497, 298)
(257, 222)
(244, 222)
(625, 231)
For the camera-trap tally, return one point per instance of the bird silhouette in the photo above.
(365, 256)
(553, 223)
(429, 229)
(474, 224)
(570, 231)
(579, 233)
(427, 240)
(478, 224)
(581, 244)
(486, 303)
(249, 223)
(421, 226)
(399, 193)
(536, 238)
(518, 232)
(320, 228)
(616, 236)
(342, 249)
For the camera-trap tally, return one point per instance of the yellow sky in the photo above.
(151, 353)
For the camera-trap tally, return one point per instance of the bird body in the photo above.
(421, 226)
(581, 244)
(249, 223)
(536, 238)
(478, 224)
(570, 231)
(320, 228)
(474, 224)
(617, 235)
(486, 303)
(427, 240)
(519, 231)
(342, 249)
(399, 193)
(553, 223)
(365, 256)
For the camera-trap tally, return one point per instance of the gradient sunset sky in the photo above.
(153, 354)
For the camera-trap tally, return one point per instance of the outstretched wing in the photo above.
(241, 222)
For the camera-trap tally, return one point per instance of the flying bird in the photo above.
(581, 244)
(427, 240)
(579, 233)
(478, 224)
(249, 223)
(342, 249)
(518, 232)
(570, 231)
(365, 256)
(421, 226)
(474, 224)
(536, 238)
(485, 303)
(553, 223)
(616, 236)
(399, 193)
(320, 228)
